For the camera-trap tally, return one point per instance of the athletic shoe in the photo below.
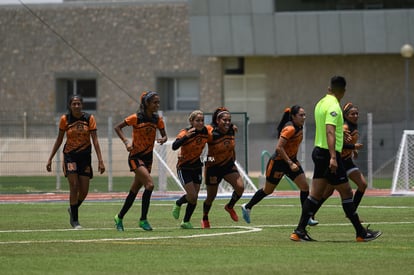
(186, 225)
(300, 236)
(370, 236)
(145, 225)
(118, 223)
(76, 225)
(312, 222)
(232, 213)
(176, 211)
(71, 218)
(205, 224)
(246, 213)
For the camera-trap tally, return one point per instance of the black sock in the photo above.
(357, 198)
(318, 206)
(74, 212)
(257, 197)
(146, 198)
(79, 203)
(303, 196)
(233, 200)
(189, 212)
(349, 209)
(307, 211)
(127, 204)
(206, 209)
(181, 200)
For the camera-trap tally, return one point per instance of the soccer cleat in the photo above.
(145, 225)
(232, 213)
(118, 223)
(246, 213)
(300, 236)
(370, 235)
(71, 218)
(176, 211)
(205, 224)
(312, 222)
(76, 225)
(186, 225)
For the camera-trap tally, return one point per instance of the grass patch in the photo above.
(35, 239)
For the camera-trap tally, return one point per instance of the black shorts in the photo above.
(187, 175)
(275, 170)
(77, 164)
(215, 174)
(321, 158)
(136, 161)
(349, 165)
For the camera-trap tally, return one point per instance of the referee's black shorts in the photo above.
(321, 158)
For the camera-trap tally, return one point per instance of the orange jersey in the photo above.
(293, 136)
(78, 138)
(349, 147)
(220, 147)
(143, 132)
(191, 149)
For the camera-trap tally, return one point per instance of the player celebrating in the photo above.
(192, 141)
(220, 164)
(144, 124)
(284, 160)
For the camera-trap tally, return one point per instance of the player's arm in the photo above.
(121, 135)
(56, 146)
(164, 137)
(280, 149)
(101, 166)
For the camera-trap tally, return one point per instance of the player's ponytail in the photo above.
(286, 117)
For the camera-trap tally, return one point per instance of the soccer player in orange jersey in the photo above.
(220, 164)
(79, 127)
(191, 142)
(144, 124)
(284, 160)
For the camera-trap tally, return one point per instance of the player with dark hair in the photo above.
(79, 127)
(220, 164)
(191, 142)
(144, 124)
(329, 169)
(284, 160)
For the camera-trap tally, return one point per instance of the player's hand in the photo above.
(101, 167)
(49, 166)
(162, 140)
(294, 167)
(191, 132)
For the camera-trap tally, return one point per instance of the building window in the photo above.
(233, 65)
(179, 93)
(67, 86)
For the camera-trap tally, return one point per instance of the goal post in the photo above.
(403, 176)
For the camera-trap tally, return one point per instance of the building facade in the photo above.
(254, 56)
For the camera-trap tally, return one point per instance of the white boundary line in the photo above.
(245, 229)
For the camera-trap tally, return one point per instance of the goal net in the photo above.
(403, 177)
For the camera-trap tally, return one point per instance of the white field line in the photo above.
(245, 229)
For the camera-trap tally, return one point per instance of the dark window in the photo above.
(85, 87)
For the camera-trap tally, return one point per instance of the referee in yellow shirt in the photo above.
(328, 166)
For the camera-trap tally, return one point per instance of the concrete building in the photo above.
(254, 56)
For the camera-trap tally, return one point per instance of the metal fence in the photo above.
(25, 145)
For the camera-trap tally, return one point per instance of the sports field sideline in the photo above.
(43, 197)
